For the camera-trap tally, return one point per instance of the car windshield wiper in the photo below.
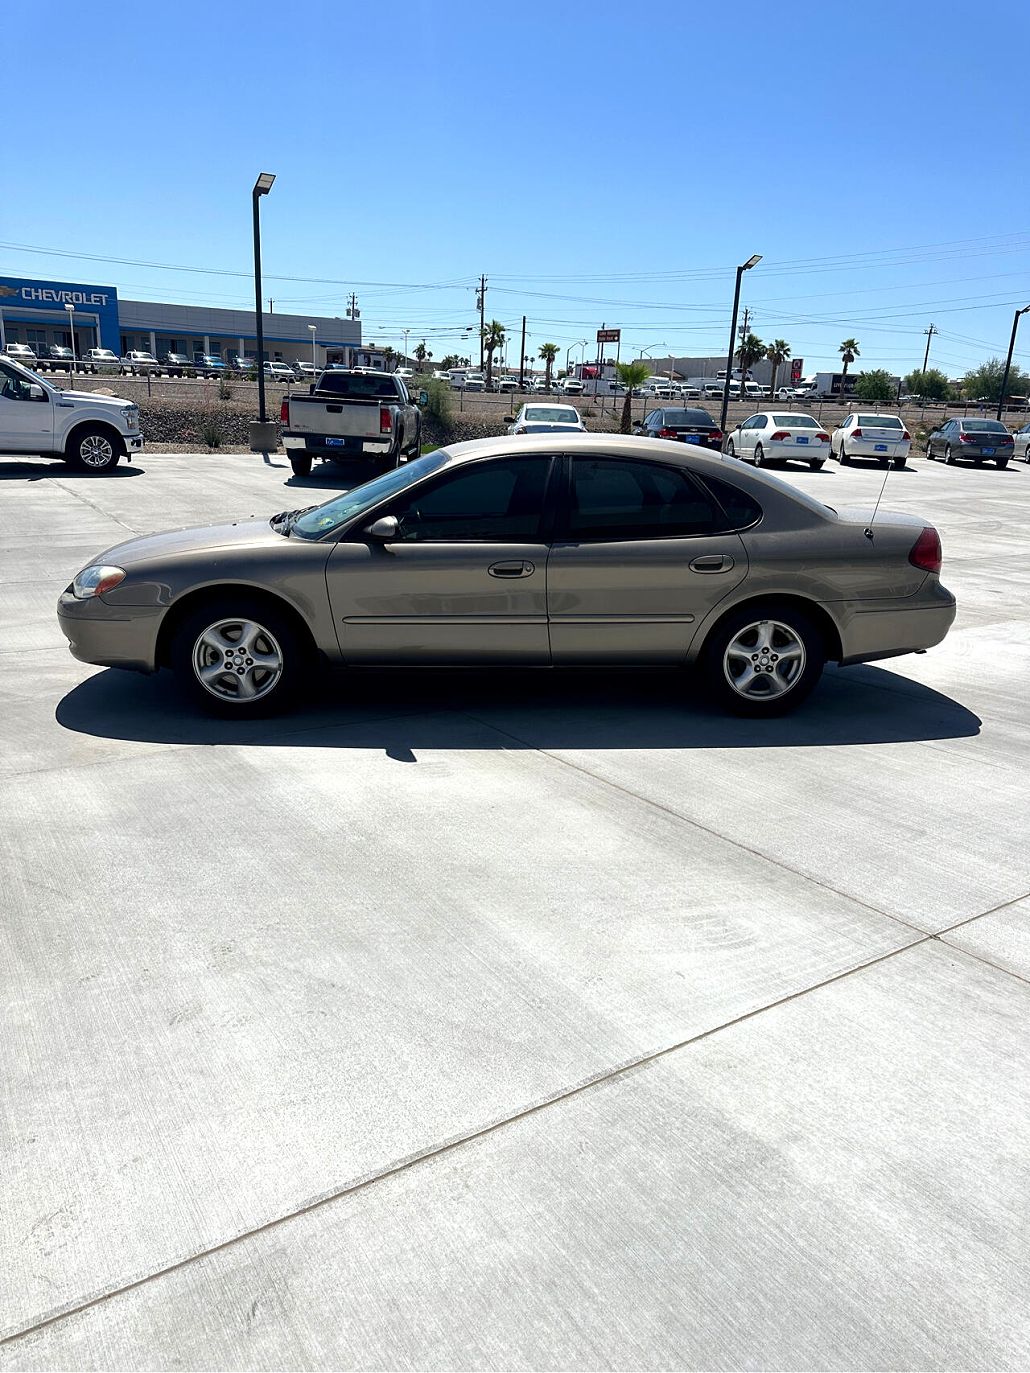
(286, 519)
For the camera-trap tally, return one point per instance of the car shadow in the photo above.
(42, 468)
(403, 709)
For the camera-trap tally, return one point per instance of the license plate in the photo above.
(988, 452)
(879, 448)
(692, 438)
(335, 443)
(800, 440)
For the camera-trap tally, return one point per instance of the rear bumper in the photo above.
(860, 448)
(901, 628)
(382, 450)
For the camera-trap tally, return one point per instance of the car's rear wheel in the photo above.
(759, 455)
(948, 458)
(239, 656)
(93, 450)
(1003, 462)
(816, 464)
(763, 660)
(844, 459)
(301, 464)
(900, 462)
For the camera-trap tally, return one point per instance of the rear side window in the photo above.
(741, 510)
(613, 499)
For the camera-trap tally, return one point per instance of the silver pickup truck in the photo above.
(365, 418)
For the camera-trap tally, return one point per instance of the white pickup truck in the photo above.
(351, 416)
(88, 432)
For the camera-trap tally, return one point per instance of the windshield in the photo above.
(552, 414)
(879, 421)
(315, 524)
(796, 421)
(102, 353)
(984, 426)
(687, 417)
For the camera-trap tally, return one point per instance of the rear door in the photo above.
(640, 556)
(465, 579)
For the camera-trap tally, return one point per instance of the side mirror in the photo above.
(384, 528)
(311, 388)
(423, 398)
(510, 419)
(36, 392)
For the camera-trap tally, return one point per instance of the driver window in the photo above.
(13, 386)
(496, 502)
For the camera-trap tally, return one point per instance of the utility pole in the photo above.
(522, 355)
(481, 302)
(1008, 359)
(271, 302)
(929, 335)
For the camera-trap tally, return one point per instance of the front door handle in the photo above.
(512, 569)
(714, 562)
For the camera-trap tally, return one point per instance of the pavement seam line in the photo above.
(93, 506)
(450, 1146)
(705, 829)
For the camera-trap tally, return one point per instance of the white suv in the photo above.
(102, 360)
(21, 352)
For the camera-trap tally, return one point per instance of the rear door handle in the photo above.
(714, 562)
(512, 569)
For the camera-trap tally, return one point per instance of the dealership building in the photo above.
(42, 313)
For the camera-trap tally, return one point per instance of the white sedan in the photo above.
(535, 418)
(771, 436)
(881, 437)
(1021, 443)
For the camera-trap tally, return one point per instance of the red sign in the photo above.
(609, 335)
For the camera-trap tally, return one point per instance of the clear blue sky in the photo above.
(599, 162)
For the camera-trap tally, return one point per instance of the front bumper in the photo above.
(107, 635)
(133, 442)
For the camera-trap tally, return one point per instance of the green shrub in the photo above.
(211, 431)
(224, 388)
(438, 406)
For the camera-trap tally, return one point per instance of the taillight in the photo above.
(906, 437)
(385, 420)
(855, 434)
(926, 551)
(967, 438)
(284, 412)
(666, 433)
(715, 436)
(1006, 439)
(822, 438)
(780, 434)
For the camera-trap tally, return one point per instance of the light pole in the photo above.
(1008, 360)
(745, 267)
(71, 328)
(314, 330)
(581, 344)
(405, 332)
(261, 187)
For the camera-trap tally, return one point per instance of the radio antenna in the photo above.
(868, 531)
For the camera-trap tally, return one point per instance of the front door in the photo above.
(26, 425)
(639, 559)
(465, 579)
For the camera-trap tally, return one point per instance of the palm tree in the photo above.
(493, 338)
(388, 357)
(848, 353)
(631, 374)
(548, 353)
(751, 350)
(422, 352)
(777, 353)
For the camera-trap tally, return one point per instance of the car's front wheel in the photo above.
(239, 656)
(731, 452)
(763, 661)
(93, 450)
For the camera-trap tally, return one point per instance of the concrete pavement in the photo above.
(513, 1020)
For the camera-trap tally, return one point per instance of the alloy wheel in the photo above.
(764, 660)
(96, 451)
(237, 660)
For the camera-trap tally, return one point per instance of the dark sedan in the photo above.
(978, 440)
(683, 426)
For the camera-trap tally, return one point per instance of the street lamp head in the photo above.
(69, 306)
(313, 327)
(752, 261)
(264, 183)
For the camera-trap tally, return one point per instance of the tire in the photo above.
(93, 449)
(816, 465)
(1002, 464)
(759, 455)
(301, 464)
(731, 452)
(900, 463)
(948, 458)
(218, 634)
(844, 459)
(930, 456)
(750, 636)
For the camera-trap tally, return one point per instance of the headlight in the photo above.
(132, 418)
(95, 580)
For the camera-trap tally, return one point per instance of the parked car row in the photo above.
(137, 363)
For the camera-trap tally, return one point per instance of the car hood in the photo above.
(149, 548)
(116, 401)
